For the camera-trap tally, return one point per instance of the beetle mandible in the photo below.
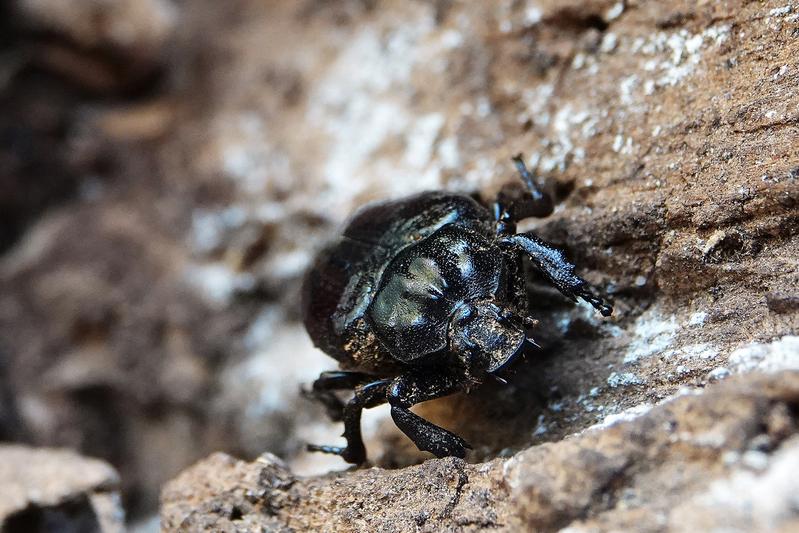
(423, 297)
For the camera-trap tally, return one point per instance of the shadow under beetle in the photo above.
(423, 297)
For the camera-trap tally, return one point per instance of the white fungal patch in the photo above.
(693, 351)
(562, 149)
(579, 61)
(483, 171)
(631, 413)
(718, 374)
(364, 103)
(267, 395)
(623, 379)
(652, 334)
(780, 11)
(449, 153)
(532, 15)
(609, 43)
(626, 87)
(536, 100)
(451, 39)
(288, 264)
(615, 11)
(618, 143)
(755, 460)
(776, 356)
(628, 147)
(217, 283)
(420, 139)
(210, 227)
(623, 145)
(697, 319)
(624, 416)
(276, 389)
(675, 55)
(261, 329)
(243, 147)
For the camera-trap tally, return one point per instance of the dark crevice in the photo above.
(11, 427)
(563, 189)
(789, 122)
(673, 20)
(576, 21)
(73, 516)
(463, 479)
(236, 513)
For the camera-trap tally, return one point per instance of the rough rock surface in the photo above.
(46, 490)
(152, 316)
(723, 459)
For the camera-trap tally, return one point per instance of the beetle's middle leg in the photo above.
(327, 382)
(366, 396)
(416, 387)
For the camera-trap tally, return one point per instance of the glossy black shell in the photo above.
(383, 294)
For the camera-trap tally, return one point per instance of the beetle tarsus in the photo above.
(352, 454)
(587, 294)
(333, 450)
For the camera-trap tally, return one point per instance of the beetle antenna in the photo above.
(528, 177)
(542, 202)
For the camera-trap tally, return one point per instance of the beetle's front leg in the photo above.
(552, 263)
(416, 387)
(366, 396)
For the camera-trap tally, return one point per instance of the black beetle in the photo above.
(423, 297)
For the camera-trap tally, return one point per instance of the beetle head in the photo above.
(487, 335)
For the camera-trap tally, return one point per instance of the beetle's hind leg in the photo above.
(324, 386)
(552, 263)
(366, 396)
(416, 387)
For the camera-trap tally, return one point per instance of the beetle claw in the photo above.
(333, 450)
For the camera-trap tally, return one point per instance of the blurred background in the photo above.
(167, 170)
(169, 167)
